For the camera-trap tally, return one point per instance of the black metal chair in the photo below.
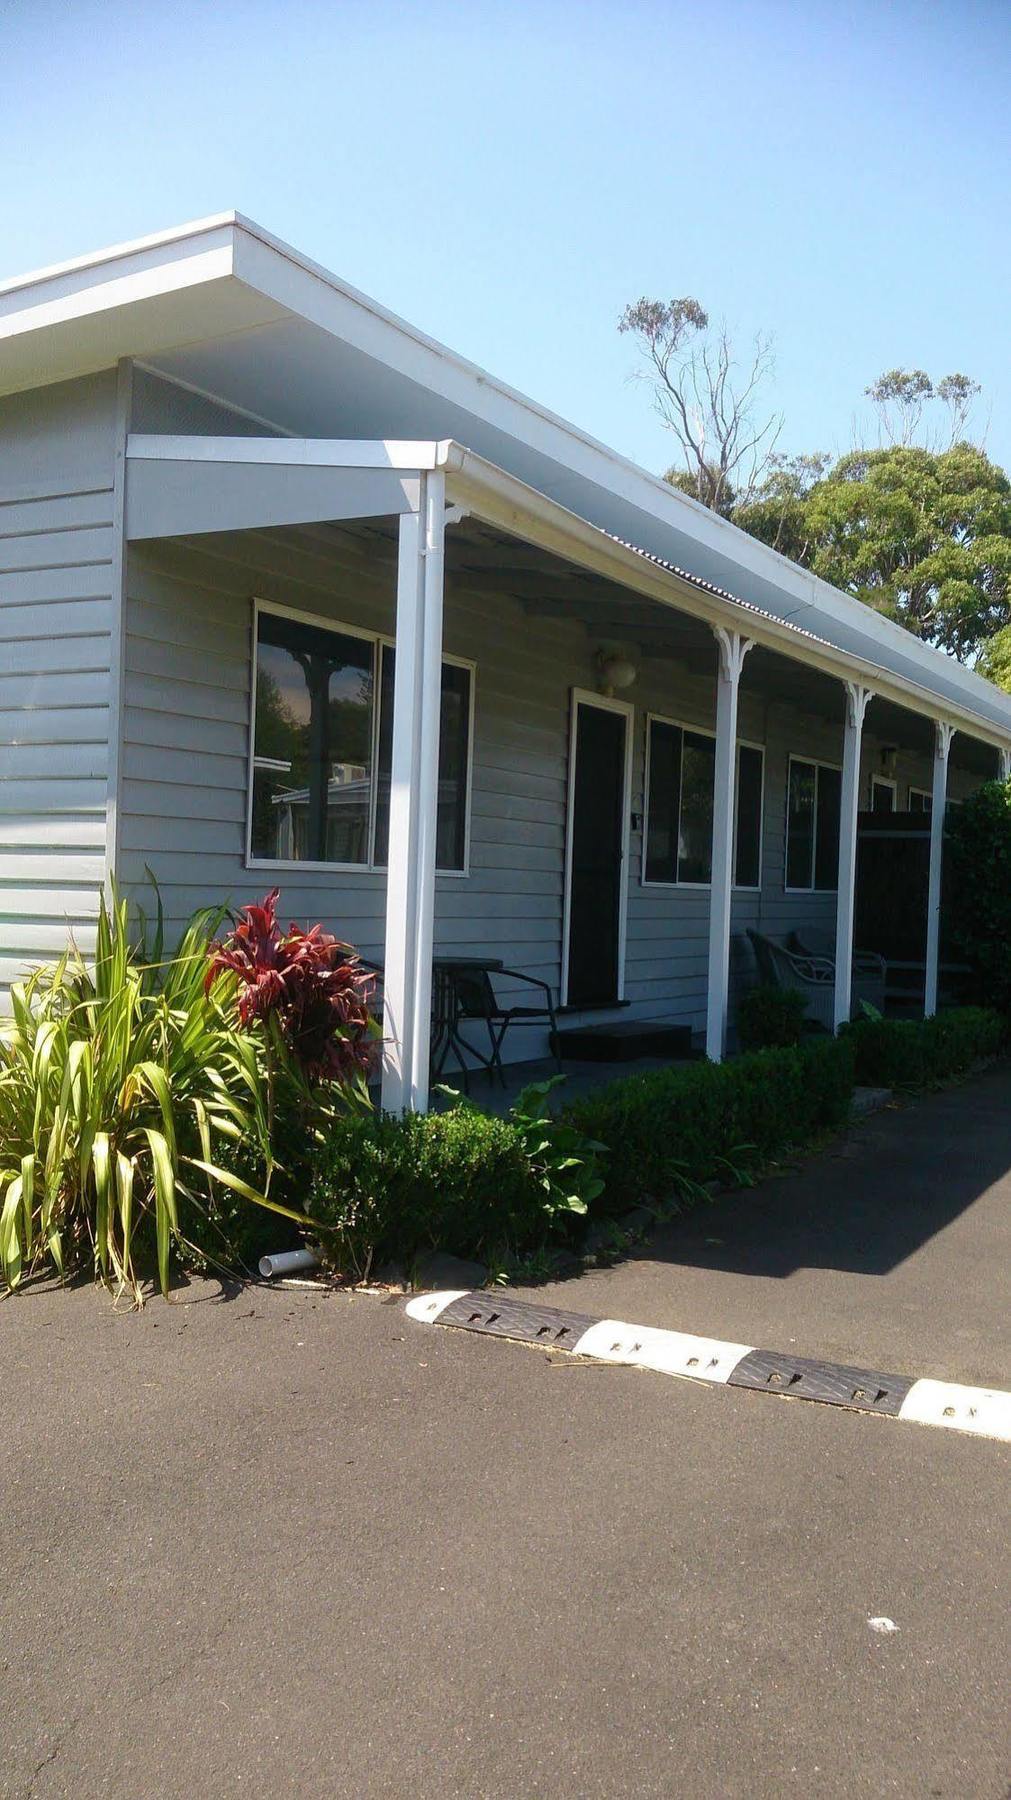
(465, 993)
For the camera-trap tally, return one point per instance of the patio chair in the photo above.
(464, 994)
(812, 976)
(870, 971)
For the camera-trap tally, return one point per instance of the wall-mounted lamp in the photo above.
(614, 672)
(889, 758)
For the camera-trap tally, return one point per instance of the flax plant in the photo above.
(119, 1077)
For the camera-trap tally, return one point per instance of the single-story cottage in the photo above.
(291, 595)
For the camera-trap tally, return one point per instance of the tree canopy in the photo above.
(923, 536)
(995, 659)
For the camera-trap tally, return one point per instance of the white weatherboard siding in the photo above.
(185, 760)
(56, 558)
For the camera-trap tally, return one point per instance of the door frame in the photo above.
(587, 697)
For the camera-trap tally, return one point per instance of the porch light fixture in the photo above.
(889, 759)
(614, 672)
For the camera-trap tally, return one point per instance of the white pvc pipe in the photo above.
(287, 1262)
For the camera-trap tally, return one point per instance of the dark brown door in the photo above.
(597, 872)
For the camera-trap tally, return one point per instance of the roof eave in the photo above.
(229, 270)
(500, 499)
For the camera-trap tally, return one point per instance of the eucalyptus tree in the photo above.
(708, 400)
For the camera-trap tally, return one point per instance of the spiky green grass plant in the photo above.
(119, 1076)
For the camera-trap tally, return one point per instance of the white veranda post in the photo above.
(733, 648)
(942, 745)
(414, 775)
(1005, 765)
(856, 707)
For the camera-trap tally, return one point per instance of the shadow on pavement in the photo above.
(866, 1205)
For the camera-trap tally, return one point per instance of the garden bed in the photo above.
(160, 1113)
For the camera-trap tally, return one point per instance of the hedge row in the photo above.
(386, 1187)
(918, 1053)
(683, 1125)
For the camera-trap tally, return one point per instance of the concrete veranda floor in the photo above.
(286, 1543)
(578, 1078)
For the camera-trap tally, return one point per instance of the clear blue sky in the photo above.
(508, 176)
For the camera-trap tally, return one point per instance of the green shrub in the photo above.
(564, 1162)
(387, 1186)
(770, 1017)
(672, 1129)
(976, 914)
(917, 1053)
(121, 1080)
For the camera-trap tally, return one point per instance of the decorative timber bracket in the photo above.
(857, 698)
(733, 647)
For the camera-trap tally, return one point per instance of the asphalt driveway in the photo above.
(283, 1544)
(890, 1250)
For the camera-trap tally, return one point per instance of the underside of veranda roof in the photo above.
(183, 487)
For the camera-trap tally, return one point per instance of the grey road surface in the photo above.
(284, 1544)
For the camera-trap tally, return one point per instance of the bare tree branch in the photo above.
(725, 441)
(901, 396)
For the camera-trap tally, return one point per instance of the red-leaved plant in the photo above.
(310, 983)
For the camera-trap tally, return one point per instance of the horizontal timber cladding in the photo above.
(185, 761)
(56, 616)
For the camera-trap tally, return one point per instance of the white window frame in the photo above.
(885, 781)
(921, 794)
(377, 639)
(816, 762)
(589, 697)
(698, 887)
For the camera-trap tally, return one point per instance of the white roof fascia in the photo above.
(156, 240)
(329, 453)
(66, 292)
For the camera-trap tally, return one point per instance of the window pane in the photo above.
(695, 835)
(800, 825)
(454, 750)
(312, 752)
(826, 858)
(454, 735)
(747, 869)
(664, 786)
(385, 755)
(882, 797)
